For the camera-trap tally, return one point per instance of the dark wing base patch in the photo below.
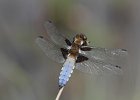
(86, 48)
(68, 42)
(81, 58)
(64, 52)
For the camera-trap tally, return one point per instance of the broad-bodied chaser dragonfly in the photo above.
(77, 53)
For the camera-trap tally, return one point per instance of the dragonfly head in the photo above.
(81, 40)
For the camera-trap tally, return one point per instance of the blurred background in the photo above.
(27, 74)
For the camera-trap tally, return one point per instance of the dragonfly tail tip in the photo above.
(60, 87)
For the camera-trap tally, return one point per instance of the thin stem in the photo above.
(59, 93)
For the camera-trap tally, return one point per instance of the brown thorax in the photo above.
(78, 41)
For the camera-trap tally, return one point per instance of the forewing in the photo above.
(50, 49)
(98, 67)
(113, 56)
(56, 36)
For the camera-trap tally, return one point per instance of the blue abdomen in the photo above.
(66, 71)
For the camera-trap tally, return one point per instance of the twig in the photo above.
(59, 93)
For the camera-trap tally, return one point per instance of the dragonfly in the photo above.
(74, 52)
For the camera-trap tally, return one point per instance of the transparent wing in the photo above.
(50, 49)
(106, 55)
(56, 36)
(98, 67)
